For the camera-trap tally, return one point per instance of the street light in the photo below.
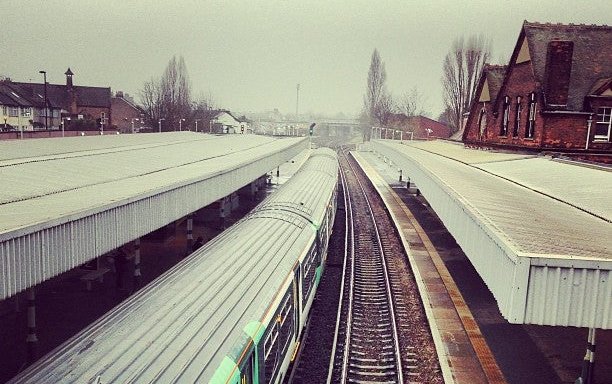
(181, 124)
(134, 118)
(44, 73)
(160, 120)
(196, 121)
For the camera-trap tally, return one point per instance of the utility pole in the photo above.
(44, 73)
(297, 102)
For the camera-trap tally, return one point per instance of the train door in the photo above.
(296, 300)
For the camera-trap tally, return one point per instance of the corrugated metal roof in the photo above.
(510, 214)
(73, 199)
(181, 326)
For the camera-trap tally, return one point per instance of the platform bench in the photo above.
(93, 275)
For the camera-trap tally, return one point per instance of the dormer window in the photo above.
(505, 117)
(530, 128)
(603, 124)
(517, 117)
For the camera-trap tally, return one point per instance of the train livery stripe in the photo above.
(227, 372)
(318, 273)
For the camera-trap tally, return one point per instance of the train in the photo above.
(231, 312)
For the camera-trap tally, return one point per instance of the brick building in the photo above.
(78, 106)
(418, 127)
(554, 95)
(126, 116)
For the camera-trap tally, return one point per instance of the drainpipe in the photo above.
(588, 137)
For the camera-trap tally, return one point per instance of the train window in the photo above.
(309, 269)
(271, 351)
(286, 322)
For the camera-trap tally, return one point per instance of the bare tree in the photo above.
(384, 109)
(176, 90)
(151, 100)
(413, 103)
(378, 103)
(461, 71)
(168, 98)
(203, 111)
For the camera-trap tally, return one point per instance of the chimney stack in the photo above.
(558, 71)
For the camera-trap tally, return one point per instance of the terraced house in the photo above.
(22, 105)
(554, 95)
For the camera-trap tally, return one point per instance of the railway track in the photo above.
(367, 345)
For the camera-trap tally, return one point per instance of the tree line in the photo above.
(168, 103)
(461, 72)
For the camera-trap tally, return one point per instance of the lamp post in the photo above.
(196, 122)
(44, 73)
(159, 122)
(181, 124)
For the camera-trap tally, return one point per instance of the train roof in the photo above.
(180, 327)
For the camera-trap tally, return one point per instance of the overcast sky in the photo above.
(250, 55)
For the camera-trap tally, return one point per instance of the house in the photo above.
(418, 127)
(222, 121)
(554, 95)
(126, 116)
(22, 112)
(78, 107)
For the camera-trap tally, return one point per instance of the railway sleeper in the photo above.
(376, 374)
(375, 367)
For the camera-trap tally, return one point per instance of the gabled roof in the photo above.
(601, 86)
(59, 95)
(591, 58)
(494, 76)
(13, 95)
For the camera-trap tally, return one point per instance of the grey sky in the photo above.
(249, 55)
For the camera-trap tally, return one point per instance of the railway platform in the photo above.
(474, 342)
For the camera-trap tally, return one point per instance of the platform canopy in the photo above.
(538, 230)
(65, 201)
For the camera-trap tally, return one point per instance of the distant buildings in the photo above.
(554, 95)
(22, 106)
(418, 127)
(222, 121)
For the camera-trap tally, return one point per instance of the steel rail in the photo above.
(348, 233)
(389, 296)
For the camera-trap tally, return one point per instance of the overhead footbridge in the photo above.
(64, 202)
(537, 230)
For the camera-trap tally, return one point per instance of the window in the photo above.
(4, 110)
(309, 267)
(530, 128)
(505, 117)
(517, 117)
(14, 112)
(25, 112)
(482, 123)
(271, 352)
(603, 124)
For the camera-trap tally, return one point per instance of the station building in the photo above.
(554, 95)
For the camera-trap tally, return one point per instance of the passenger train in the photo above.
(232, 312)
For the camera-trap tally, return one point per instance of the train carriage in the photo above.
(232, 312)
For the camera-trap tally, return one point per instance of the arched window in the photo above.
(482, 123)
(517, 117)
(505, 117)
(533, 106)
